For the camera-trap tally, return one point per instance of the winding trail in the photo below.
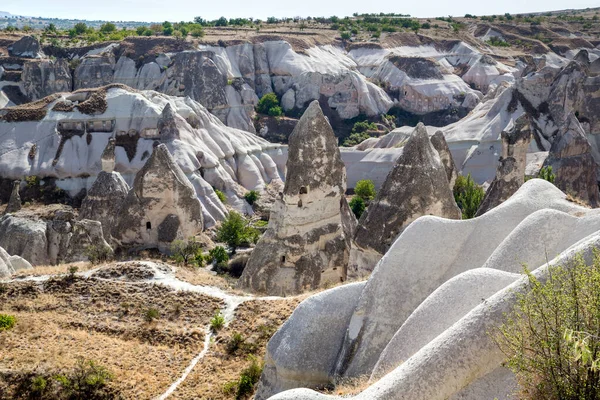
(168, 279)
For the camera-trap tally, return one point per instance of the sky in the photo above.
(186, 10)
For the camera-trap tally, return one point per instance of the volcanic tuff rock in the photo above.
(49, 241)
(10, 264)
(426, 283)
(45, 77)
(103, 200)
(307, 241)
(417, 185)
(26, 47)
(441, 146)
(573, 164)
(286, 370)
(511, 170)
(14, 203)
(72, 137)
(161, 207)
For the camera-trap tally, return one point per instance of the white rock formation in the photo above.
(11, 264)
(307, 242)
(71, 131)
(161, 206)
(417, 185)
(458, 289)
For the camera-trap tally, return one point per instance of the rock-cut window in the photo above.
(148, 225)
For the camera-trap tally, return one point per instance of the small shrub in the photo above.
(236, 231)
(468, 195)
(3, 288)
(497, 42)
(357, 205)
(551, 337)
(97, 253)
(267, 102)
(365, 189)
(88, 380)
(72, 271)
(219, 255)
(221, 196)
(217, 322)
(151, 314)
(38, 386)
(275, 111)
(251, 196)
(249, 378)
(547, 175)
(235, 342)
(184, 252)
(7, 322)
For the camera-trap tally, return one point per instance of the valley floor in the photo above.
(146, 322)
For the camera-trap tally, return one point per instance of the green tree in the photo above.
(236, 231)
(468, 195)
(267, 102)
(365, 189)
(186, 251)
(80, 28)
(357, 205)
(251, 196)
(546, 174)
(140, 30)
(108, 27)
(551, 338)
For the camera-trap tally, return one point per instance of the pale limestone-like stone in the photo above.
(307, 241)
(160, 207)
(511, 170)
(416, 186)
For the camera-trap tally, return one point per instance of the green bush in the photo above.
(219, 255)
(108, 27)
(468, 195)
(551, 337)
(88, 380)
(249, 378)
(235, 342)
(251, 196)
(357, 205)
(267, 102)
(151, 314)
(221, 196)
(97, 253)
(185, 252)
(7, 322)
(275, 111)
(365, 189)
(546, 174)
(497, 42)
(237, 231)
(217, 321)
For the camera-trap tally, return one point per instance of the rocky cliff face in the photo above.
(72, 137)
(45, 77)
(511, 170)
(307, 243)
(104, 199)
(162, 206)
(573, 164)
(417, 185)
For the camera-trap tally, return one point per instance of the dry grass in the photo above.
(350, 386)
(41, 270)
(573, 199)
(63, 319)
(257, 321)
(201, 276)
